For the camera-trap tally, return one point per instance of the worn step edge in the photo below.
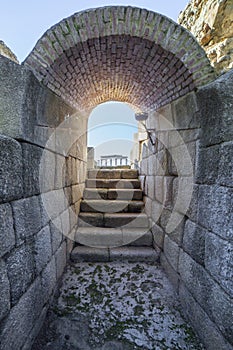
(134, 254)
(113, 183)
(110, 206)
(89, 254)
(126, 220)
(103, 237)
(130, 254)
(113, 194)
(113, 174)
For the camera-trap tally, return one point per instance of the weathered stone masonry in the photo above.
(33, 252)
(119, 53)
(144, 59)
(197, 254)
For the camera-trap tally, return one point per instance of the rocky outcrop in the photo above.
(211, 22)
(5, 51)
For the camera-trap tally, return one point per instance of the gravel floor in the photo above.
(115, 306)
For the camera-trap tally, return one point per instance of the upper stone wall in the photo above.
(211, 22)
(5, 51)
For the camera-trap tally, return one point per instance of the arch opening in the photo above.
(112, 135)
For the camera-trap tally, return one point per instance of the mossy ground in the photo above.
(116, 306)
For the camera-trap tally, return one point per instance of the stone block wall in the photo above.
(41, 184)
(195, 238)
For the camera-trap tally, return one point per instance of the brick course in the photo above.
(119, 53)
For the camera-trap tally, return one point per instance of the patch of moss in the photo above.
(96, 295)
(62, 312)
(138, 269)
(83, 307)
(77, 270)
(72, 299)
(115, 332)
(107, 268)
(98, 269)
(82, 279)
(138, 310)
(189, 334)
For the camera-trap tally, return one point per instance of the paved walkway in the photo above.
(115, 306)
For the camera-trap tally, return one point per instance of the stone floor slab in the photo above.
(115, 306)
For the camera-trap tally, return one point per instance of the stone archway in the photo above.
(119, 53)
(142, 58)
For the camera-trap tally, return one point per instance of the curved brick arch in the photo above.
(119, 53)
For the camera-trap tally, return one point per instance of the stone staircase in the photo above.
(112, 224)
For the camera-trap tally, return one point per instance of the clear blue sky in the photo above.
(111, 128)
(23, 22)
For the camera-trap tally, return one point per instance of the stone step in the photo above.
(126, 220)
(111, 183)
(108, 206)
(121, 194)
(91, 219)
(103, 237)
(130, 254)
(113, 174)
(134, 254)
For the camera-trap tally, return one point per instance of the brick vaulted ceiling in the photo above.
(119, 53)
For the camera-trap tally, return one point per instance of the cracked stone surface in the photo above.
(115, 306)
